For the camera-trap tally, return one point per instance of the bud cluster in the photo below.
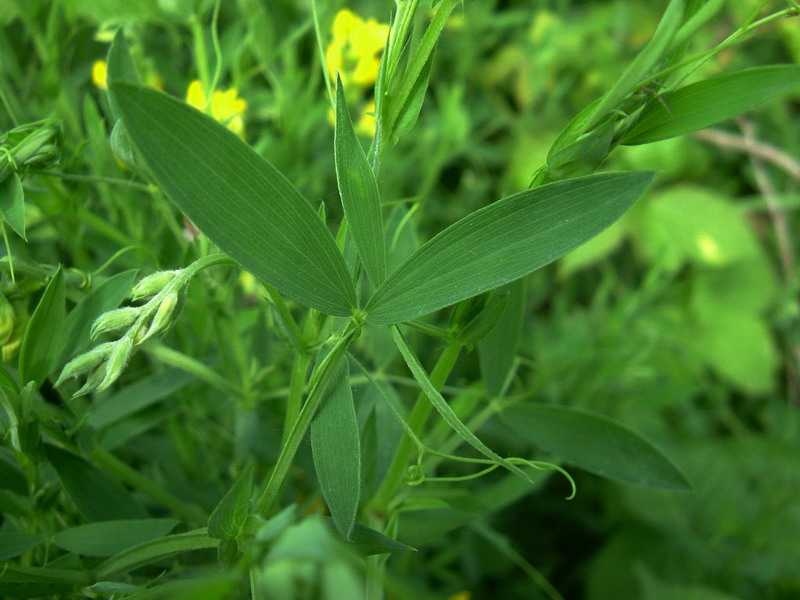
(30, 145)
(104, 364)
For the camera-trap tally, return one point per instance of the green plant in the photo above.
(341, 311)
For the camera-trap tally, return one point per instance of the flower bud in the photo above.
(162, 320)
(93, 382)
(86, 362)
(117, 360)
(152, 284)
(7, 320)
(114, 319)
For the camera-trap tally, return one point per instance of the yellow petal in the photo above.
(100, 74)
(195, 96)
(344, 22)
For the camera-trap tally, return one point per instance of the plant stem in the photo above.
(296, 386)
(269, 493)
(419, 415)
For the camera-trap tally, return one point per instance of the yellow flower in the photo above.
(99, 74)
(226, 107)
(463, 595)
(355, 48)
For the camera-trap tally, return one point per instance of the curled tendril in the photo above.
(415, 475)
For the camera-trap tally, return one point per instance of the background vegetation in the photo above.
(680, 321)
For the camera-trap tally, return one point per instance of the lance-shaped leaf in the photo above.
(502, 242)
(335, 443)
(702, 104)
(227, 519)
(359, 191)
(243, 203)
(12, 203)
(595, 443)
(107, 538)
(44, 333)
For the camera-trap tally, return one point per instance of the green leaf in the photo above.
(359, 191)
(367, 541)
(335, 443)
(120, 62)
(155, 550)
(228, 517)
(400, 104)
(7, 379)
(444, 409)
(39, 582)
(641, 66)
(595, 443)
(103, 298)
(107, 538)
(244, 205)
(593, 251)
(14, 543)
(11, 478)
(502, 242)
(702, 104)
(97, 497)
(43, 336)
(409, 113)
(120, 68)
(137, 396)
(497, 350)
(12, 203)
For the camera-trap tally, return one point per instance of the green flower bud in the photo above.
(117, 360)
(115, 319)
(162, 320)
(7, 320)
(11, 345)
(93, 382)
(152, 284)
(86, 362)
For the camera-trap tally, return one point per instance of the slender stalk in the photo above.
(419, 415)
(297, 385)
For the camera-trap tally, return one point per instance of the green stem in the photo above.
(200, 58)
(419, 415)
(111, 463)
(297, 384)
(270, 491)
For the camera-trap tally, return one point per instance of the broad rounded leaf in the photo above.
(502, 242)
(595, 443)
(243, 203)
